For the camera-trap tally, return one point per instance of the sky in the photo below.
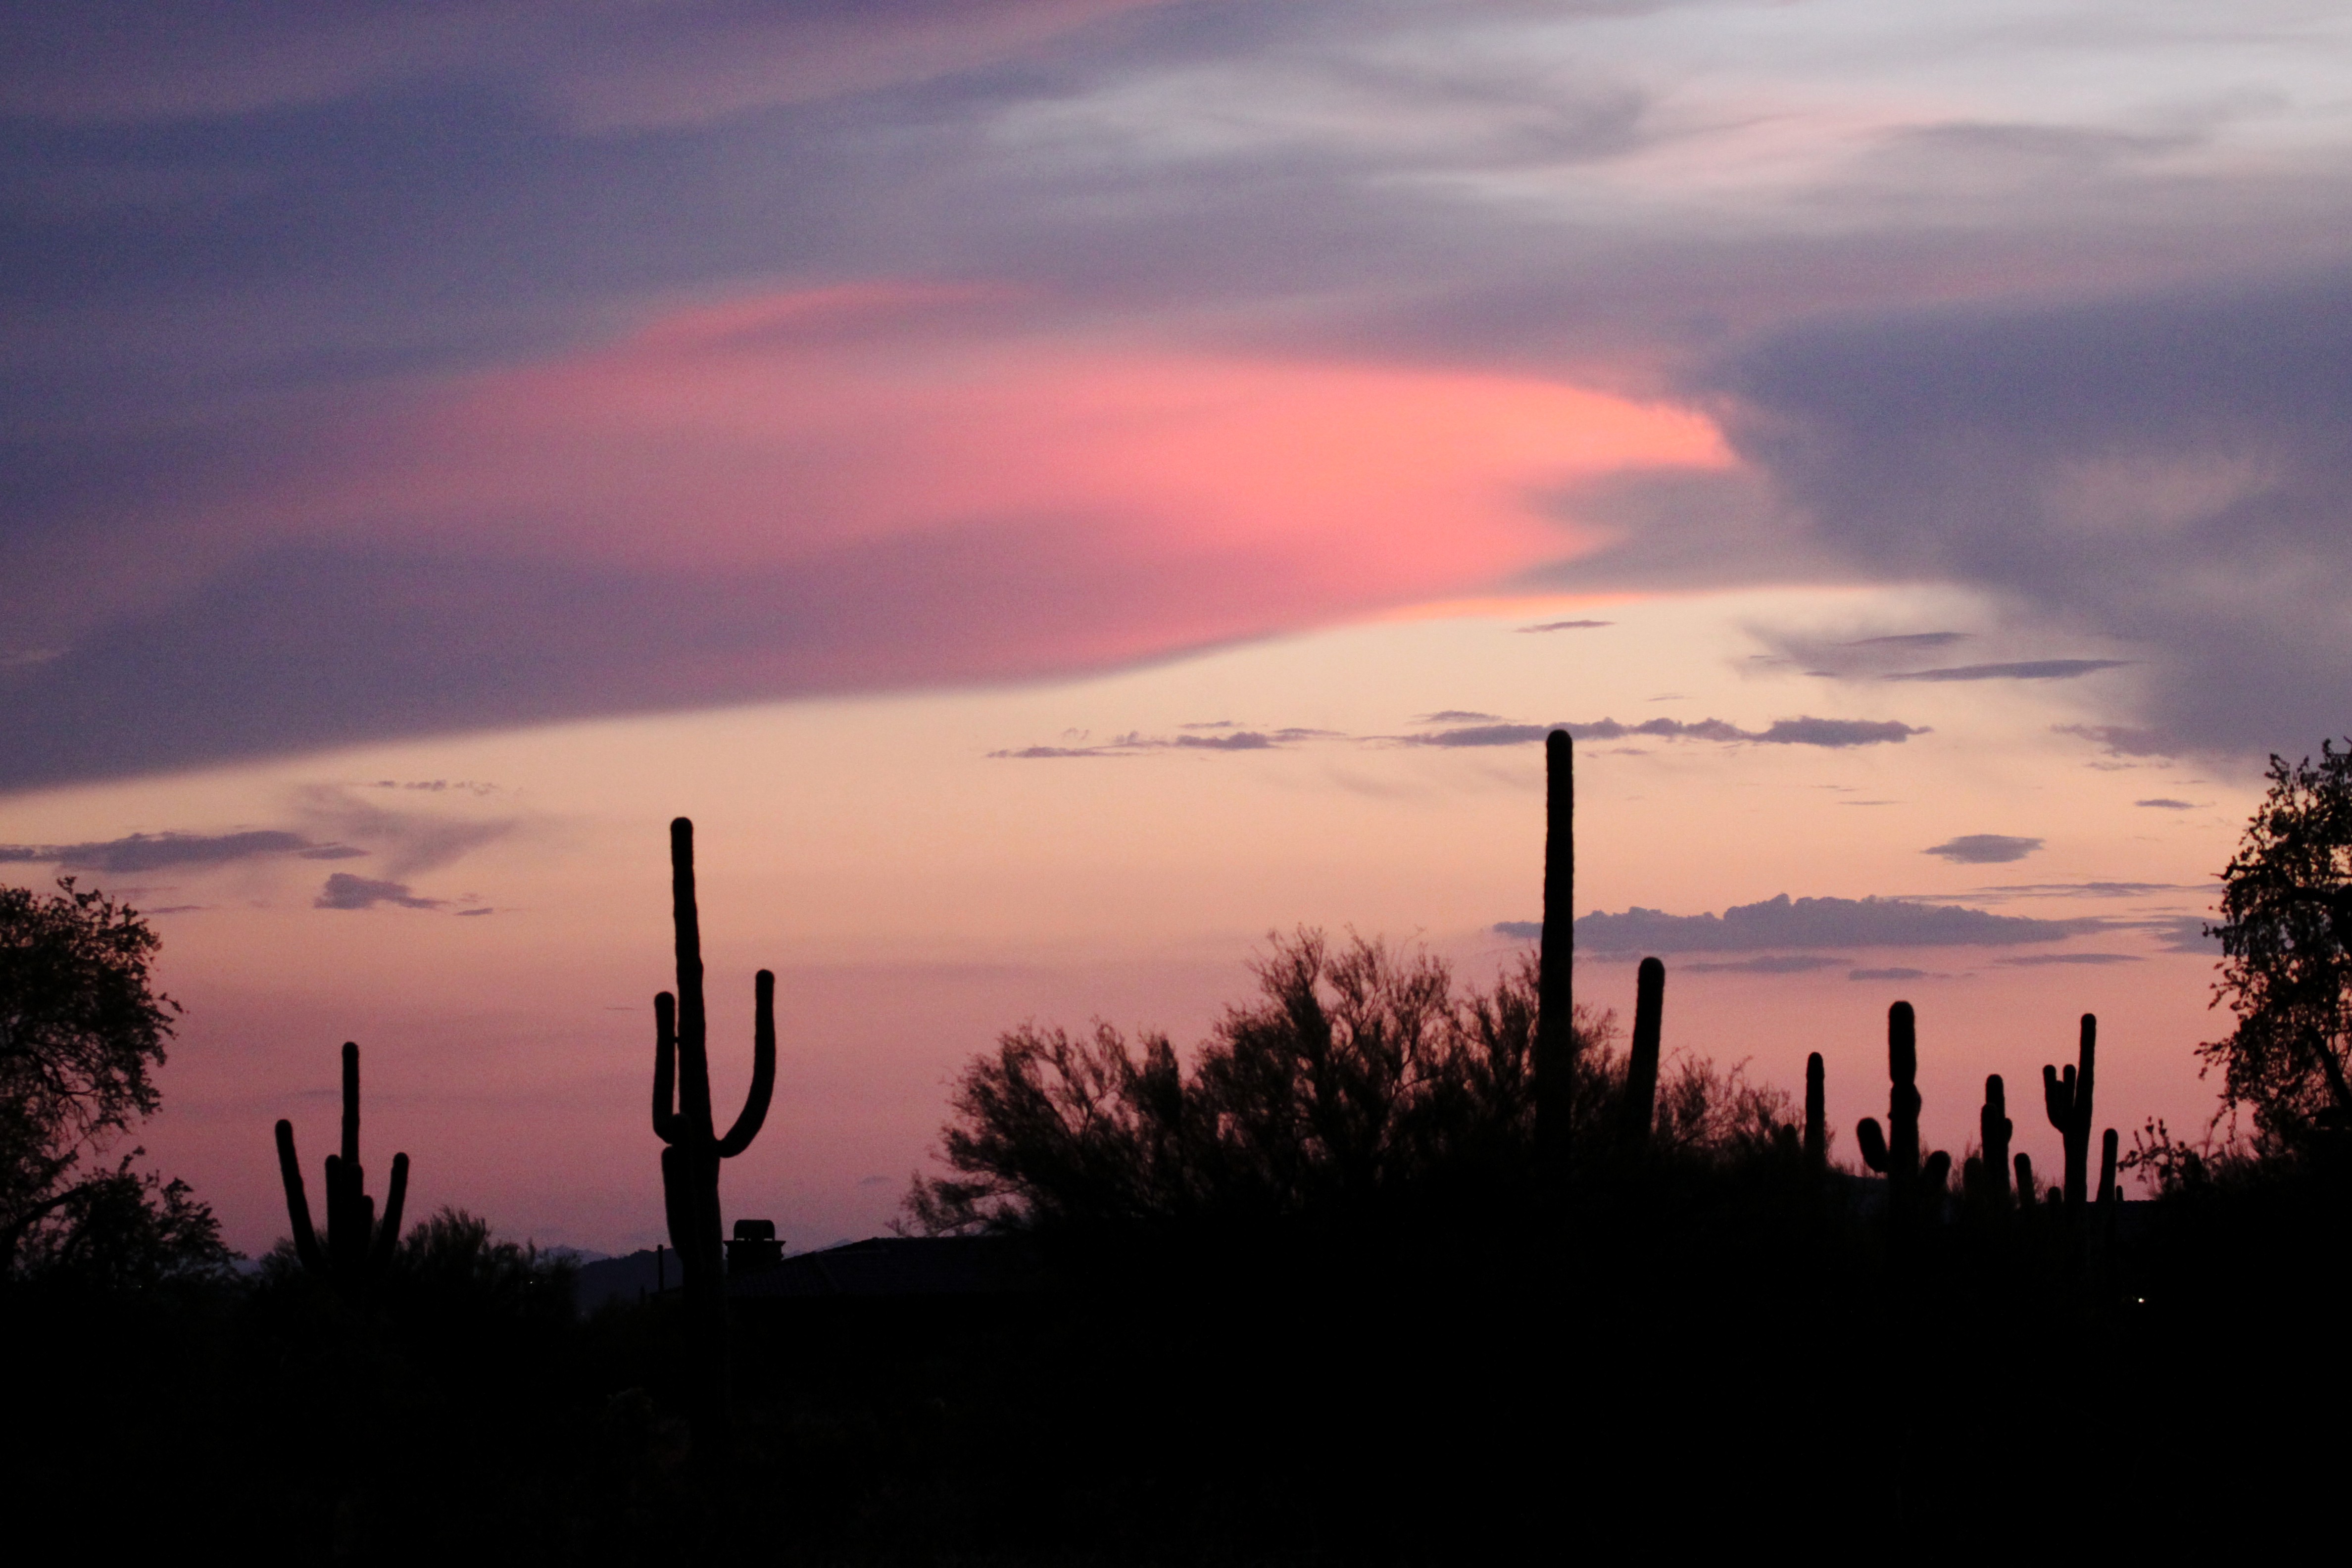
(1060, 490)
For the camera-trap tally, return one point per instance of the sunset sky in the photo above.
(1058, 489)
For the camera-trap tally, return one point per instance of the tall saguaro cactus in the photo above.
(682, 1120)
(1555, 997)
(1894, 1152)
(1640, 1106)
(2068, 1102)
(358, 1248)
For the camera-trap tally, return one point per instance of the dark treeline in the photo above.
(1340, 1284)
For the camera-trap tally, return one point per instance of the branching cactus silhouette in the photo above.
(1817, 1126)
(1640, 1106)
(2068, 1102)
(682, 1120)
(358, 1249)
(1555, 997)
(1893, 1153)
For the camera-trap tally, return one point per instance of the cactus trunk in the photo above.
(2067, 1102)
(1640, 1103)
(682, 1119)
(1993, 1128)
(358, 1248)
(1555, 998)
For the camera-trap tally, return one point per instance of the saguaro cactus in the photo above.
(1896, 1157)
(2068, 1102)
(1640, 1105)
(1993, 1127)
(358, 1248)
(1817, 1126)
(682, 1120)
(1554, 991)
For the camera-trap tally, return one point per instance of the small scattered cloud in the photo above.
(2036, 960)
(157, 851)
(408, 841)
(2121, 739)
(1895, 973)
(1770, 963)
(874, 1180)
(345, 892)
(1457, 716)
(1521, 930)
(2084, 889)
(464, 913)
(2183, 934)
(1910, 641)
(2166, 803)
(1983, 848)
(2023, 669)
(1569, 626)
(1134, 743)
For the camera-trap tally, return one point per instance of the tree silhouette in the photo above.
(81, 1030)
(1357, 1080)
(2286, 942)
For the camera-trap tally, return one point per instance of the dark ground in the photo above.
(1741, 1367)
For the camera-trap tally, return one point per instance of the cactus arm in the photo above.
(298, 1203)
(1874, 1144)
(1640, 1102)
(2026, 1188)
(763, 1069)
(2107, 1167)
(2057, 1100)
(666, 1119)
(1937, 1174)
(387, 1233)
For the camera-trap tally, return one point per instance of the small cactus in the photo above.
(1897, 1158)
(2026, 1191)
(1992, 1133)
(358, 1249)
(2067, 1102)
(1817, 1126)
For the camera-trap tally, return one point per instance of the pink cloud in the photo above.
(1217, 492)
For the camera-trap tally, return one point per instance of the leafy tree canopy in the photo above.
(81, 1031)
(2286, 943)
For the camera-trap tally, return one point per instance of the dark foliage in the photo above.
(1361, 1082)
(2286, 941)
(81, 1030)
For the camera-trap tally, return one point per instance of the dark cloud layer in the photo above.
(159, 851)
(2172, 469)
(225, 228)
(1805, 731)
(1814, 923)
